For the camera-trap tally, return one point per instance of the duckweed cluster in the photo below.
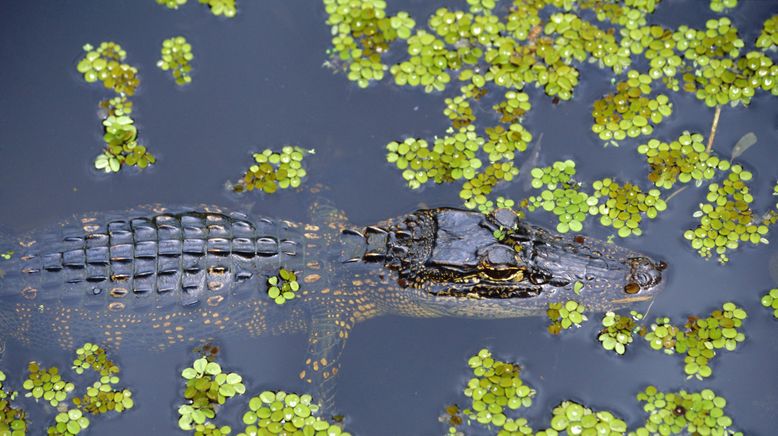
(46, 384)
(623, 206)
(102, 396)
(684, 413)
(562, 196)
(218, 7)
(573, 418)
(272, 171)
(700, 338)
(770, 301)
(481, 48)
(721, 5)
(283, 287)
(726, 219)
(286, 413)
(629, 112)
(618, 330)
(682, 160)
(207, 388)
(70, 422)
(13, 421)
(106, 64)
(496, 386)
(768, 38)
(565, 315)
(7, 255)
(176, 58)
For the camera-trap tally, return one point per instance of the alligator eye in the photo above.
(632, 288)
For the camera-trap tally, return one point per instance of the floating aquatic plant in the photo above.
(618, 330)
(684, 412)
(171, 4)
(475, 191)
(682, 160)
(218, 7)
(562, 196)
(283, 287)
(496, 388)
(46, 384)
(7, 255)
(70, 422)
(274, 170)
(176, 58)
(106, 63)
(770, 301)
(768, 38)
(573, 418)
(101, 397)
(565, 315)
(207, 387)
(622, 206)
(700, 338)
(629, 112)
(286, 413)
(726, 218)
(720, 5)
(13, 420)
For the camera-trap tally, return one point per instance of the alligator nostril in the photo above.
(661, 266)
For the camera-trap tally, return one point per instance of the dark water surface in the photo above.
(259, 83)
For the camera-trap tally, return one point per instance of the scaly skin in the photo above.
(156, 277)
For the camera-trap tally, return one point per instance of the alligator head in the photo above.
(454, 255)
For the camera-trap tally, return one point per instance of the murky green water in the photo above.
(258, 82)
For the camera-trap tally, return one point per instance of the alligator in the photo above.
(157, 276)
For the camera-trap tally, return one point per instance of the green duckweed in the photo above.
(726, 220)
(618, 330)
(176, 58)
(562, 196)
(770, 301)
(13, 420)
(565, 315)
(700, 338)
(495, 389)
(283, 287)
(70, 422)
(207, 388)
(46, 384)
(682, 160)
(720, 6)
(92, 356)
(225, 8)
(7, 255)
(684, 412)
(573, 418)
(105, 64)
(629, 112)
(286, 413)
(623, 206)
(474, 192)
(272, 171)
(768, 38)
(171, 4)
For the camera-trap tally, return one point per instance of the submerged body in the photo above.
(160, 276)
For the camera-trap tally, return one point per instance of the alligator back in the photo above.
(154, 276)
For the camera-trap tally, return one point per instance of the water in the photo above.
(259, 83)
